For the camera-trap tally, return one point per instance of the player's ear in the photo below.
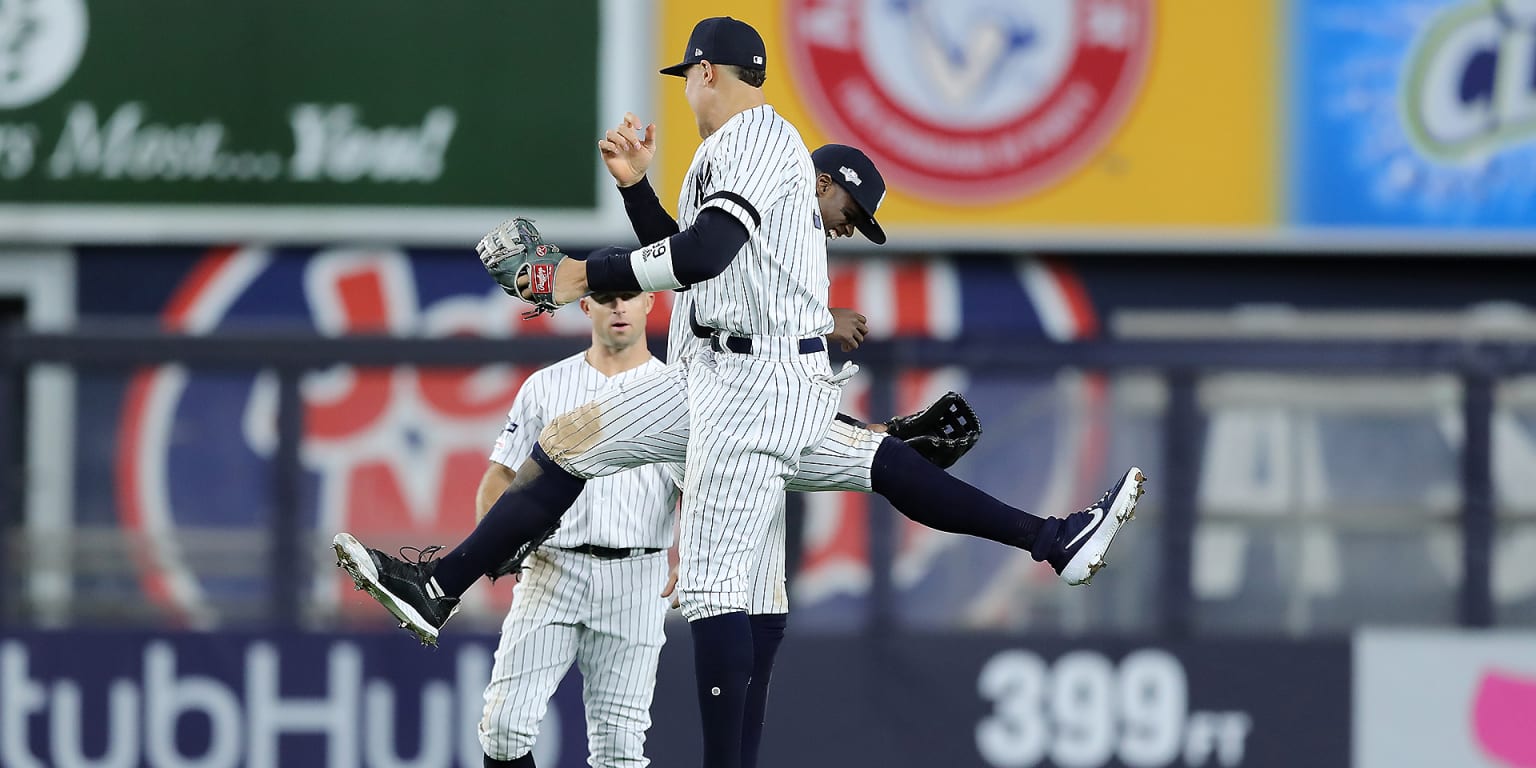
(586, 305)
(823, 184)
(650, 301)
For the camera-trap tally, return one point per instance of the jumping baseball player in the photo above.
(741, 414)
(588, 594)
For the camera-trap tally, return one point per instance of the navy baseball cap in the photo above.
(722, 40)
(855, 172)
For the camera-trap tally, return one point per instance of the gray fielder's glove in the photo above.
(514, 252)
(940, 433)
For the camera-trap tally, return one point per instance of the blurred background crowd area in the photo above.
(1279, 253)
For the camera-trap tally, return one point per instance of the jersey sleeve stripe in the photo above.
(741, 210)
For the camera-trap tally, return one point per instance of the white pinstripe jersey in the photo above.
(633, 508)
(777, 285)
(680, 338)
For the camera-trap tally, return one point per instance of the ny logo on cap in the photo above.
(851, 176)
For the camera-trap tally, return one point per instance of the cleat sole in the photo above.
(353, 558)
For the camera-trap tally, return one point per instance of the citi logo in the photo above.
(1470, 88)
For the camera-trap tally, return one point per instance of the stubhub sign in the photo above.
(186, 700)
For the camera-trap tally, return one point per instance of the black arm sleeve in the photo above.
(699, 253)
(705, 249)
(650, 220)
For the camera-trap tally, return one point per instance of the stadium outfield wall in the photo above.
(1381, 699)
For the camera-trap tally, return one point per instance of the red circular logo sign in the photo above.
(970, 100)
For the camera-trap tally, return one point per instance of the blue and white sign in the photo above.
(1414, 113)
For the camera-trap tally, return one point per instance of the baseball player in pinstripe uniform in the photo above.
(589, 594)
(742, 414)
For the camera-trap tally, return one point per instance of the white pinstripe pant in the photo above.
(841, 463)
(745, 426)
(607, 616)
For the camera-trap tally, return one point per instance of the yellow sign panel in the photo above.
(1021, 115)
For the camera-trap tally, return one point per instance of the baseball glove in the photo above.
(514, 253)
(514, 564)
(942, 432)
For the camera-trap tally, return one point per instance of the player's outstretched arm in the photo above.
(698, 253)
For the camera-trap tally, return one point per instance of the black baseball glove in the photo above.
(514, 564)
(942, 432)
(515, 252)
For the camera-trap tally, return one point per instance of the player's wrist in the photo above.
(636, 187)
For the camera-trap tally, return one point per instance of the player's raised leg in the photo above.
(645, 423)
(855, 459)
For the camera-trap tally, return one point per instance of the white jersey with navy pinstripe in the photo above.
(570, 607)
(680, 336)
(757, 169)
(628, 509)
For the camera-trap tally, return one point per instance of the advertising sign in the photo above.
(296, 121)
(1445, 698)
(990, 701)
(1417, 115)
(1008, 120)
(318, 700)
(257, 701)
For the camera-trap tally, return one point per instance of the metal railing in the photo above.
(1181, 365)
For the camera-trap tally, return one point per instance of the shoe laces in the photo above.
(1102, 503)
(420, 556)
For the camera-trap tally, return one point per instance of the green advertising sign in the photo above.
(299, 118)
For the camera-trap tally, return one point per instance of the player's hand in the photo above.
(848, 329)
(570, 282)
(671, 589)
(628, 149)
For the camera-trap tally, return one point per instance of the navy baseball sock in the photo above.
(526, 761)
(534, 503)
(722, 666)
(767, 633)
(934, 498)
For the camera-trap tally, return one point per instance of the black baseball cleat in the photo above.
(405, 588)
(1083, 537)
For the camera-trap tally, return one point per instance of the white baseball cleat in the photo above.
(1085, 536)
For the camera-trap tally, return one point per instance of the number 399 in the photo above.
(1083, 710)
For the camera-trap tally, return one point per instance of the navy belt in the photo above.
(613, 553)
(740, 344)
